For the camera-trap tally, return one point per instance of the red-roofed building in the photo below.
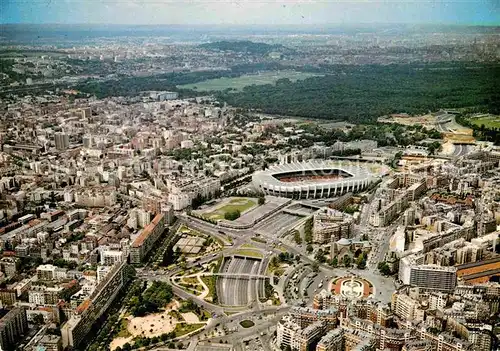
(147, 238)
(83, 306)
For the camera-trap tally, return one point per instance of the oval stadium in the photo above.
(312, 179)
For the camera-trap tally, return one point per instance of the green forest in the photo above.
(133, 86)
(361, 94)
(245, 46)
(357, 94)
(152, 300)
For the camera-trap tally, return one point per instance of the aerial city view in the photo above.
(249, 175)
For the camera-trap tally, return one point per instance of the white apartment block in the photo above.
(110, 257)
(50, 272)
(182, 193)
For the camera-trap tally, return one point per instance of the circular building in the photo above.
(312, 179)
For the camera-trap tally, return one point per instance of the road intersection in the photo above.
(298, 283)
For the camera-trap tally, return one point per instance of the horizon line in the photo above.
(252, 24)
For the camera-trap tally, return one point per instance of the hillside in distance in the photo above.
(244, 46)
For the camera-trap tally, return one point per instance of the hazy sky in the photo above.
(250, 11)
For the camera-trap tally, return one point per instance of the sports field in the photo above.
(241, 204)
(250, 79)
(489, 121)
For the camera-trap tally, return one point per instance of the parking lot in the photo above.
(278, 223)
(252, 216)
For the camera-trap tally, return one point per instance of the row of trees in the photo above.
(297, 237)
(383, 134)
(144, 342)
(170, 256)
(308, 228)
(347, 260)
(189, 306)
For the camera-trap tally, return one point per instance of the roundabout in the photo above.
(352, 287)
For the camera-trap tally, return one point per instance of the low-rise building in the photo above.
(50, 343)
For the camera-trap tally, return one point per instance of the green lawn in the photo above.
(123, 331)
(488, 121)
(239, 83)
(205, 315)
(184, 328)
(191, 285)
(192, 280)
(210, 283)
(177, 315)
(249, 253)
(259, 240)
(188, 231)
(247, 323)
(196, 289)
(241, 204)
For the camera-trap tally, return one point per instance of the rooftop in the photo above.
(148, 230)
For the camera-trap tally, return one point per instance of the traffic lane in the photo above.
(277, 311)
(208, 306)
(265, 326)
(315, 288)
(239, 236)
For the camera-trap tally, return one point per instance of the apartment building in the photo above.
(305, 316)
(9, 266)
(433, 277)
(95, 197)
(404, 306)
(12, 325)
(332, 341)
(357, 340)
(418, 345)
(389, 211)
(8, 297)
(148, 237)
(325, 300)
(61, 140)
(50, 343)
(331, 225)
(480, 337)
(75, 330)
(50, 272)
(286, 331)
(309, 335)
(386, 338)
(445, 342)
(182, 193)
(44, 295)
(110, 257)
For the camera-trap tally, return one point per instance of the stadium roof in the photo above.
(357, 172)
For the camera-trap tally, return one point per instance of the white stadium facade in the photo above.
(312, 179)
